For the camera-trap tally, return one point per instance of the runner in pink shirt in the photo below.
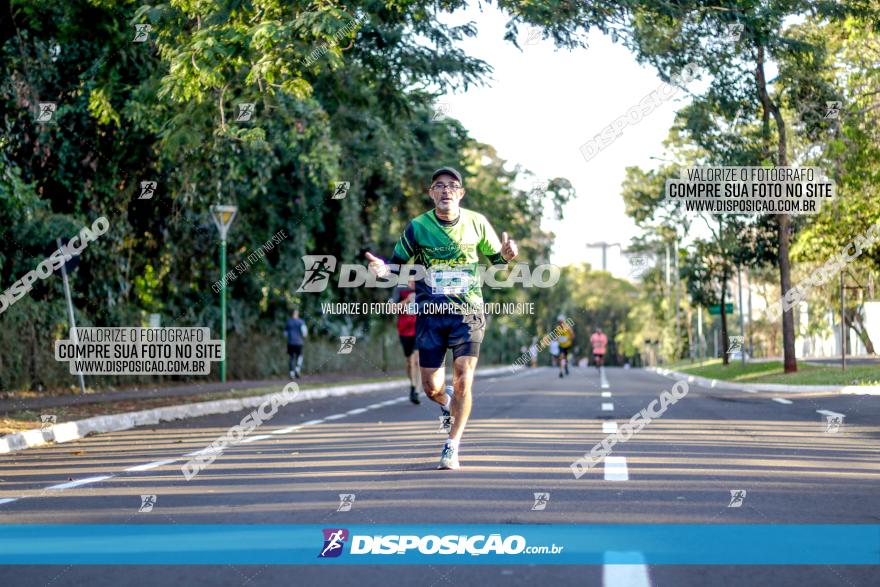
(599, 341)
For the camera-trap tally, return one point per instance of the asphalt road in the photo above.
(524, 432)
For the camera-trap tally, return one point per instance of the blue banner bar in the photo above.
(659, 544)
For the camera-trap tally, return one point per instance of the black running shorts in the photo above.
(436, 333)
(409, 345)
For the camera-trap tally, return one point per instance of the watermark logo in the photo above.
(446, 422)
(319, 268)
(244, 112)
(627, 430)
(334, 540)
(441, 278)
(541, 501)
(265, 411)
(636, 113)
(440, 111)
(832, 110)
(832, 424)
(737, 497)
(147, 503)
(638, 265)
(526, 357)
(344, 32)
(255, 255)
(432, 544)
(341, 190)
(732, 32)
(736, 344)
(47, 421)
(346, 501)
(539, 188)
(141, 33)
(346, 345)
(148, 188)
(849, 253)
(46, 111)
(76, 245)
(533, 35)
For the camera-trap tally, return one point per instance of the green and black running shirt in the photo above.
(448, 251)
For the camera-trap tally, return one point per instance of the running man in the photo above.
(296, 331)
(566, 339)
(446, 241)
(406, 330)
(599, 341)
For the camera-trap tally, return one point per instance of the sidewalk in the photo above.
(36, 403)
(774, 387)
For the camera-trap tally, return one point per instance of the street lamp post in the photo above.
(223, 217)
(604, 246)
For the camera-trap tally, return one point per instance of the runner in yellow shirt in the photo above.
(566, 340)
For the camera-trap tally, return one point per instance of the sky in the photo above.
(542, 104)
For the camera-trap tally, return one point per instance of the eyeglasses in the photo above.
(442, 186)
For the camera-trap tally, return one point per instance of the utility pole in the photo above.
(700, 330)
(74, 336)
(223, 217)
(742, 326)
(604, 246)
(677, 299)
(749, 279)
(842, 323)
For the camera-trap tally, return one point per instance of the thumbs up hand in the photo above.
(509, 249)
(377, 265)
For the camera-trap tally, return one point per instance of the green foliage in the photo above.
(340, 93)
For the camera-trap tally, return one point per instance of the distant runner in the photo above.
(406, 330)
(599, 341)
(446, 241)
(554, 352)
(296, 331)
(566, 339)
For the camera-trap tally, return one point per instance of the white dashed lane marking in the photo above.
(631, 574)
(609, 427)
(782, 400)
(615, 469)
(607, 407)
(79, 482)
(606, 394)
(257, 438)
(149, 466)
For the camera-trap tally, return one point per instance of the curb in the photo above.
(77, 429)
(756, 387)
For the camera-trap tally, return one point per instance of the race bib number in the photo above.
(449, 282)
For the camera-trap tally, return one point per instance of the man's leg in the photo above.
(409, 370)
(433, 379)
(462, 380)
(414, 367)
